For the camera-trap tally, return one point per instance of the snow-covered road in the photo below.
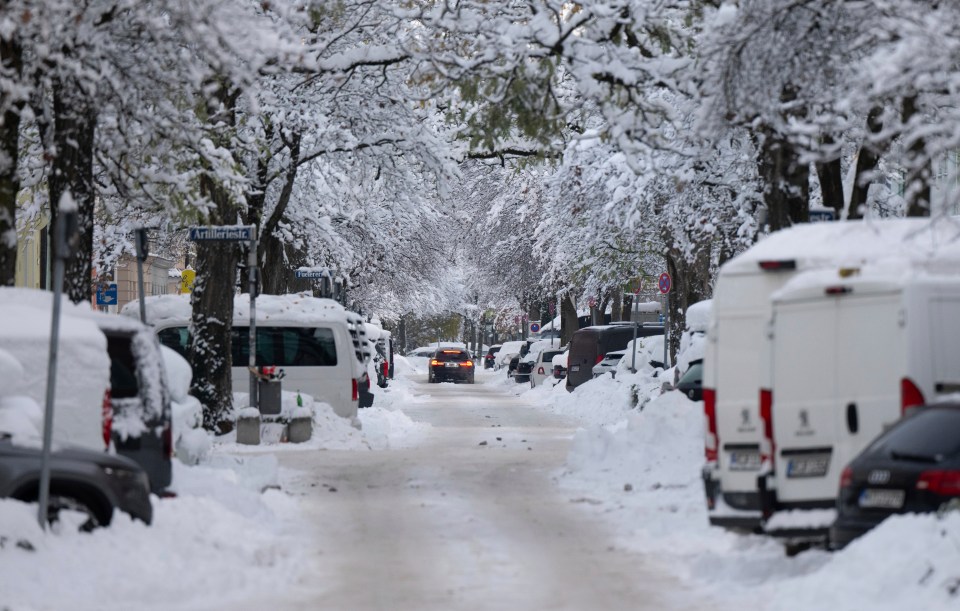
(468, 519)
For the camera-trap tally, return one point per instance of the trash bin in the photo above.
(268, 389)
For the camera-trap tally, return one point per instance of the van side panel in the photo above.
(944, 354)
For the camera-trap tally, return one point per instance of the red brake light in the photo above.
(910, 395)
(468, 364)
(766, 414)
(712, 442)
(386, 369)
(434, 362)
(355, 395)
(944, 483)
(846, 478)
(776, 266)
(837, 290)
(540, 371)
(107, 418)
(599, 358)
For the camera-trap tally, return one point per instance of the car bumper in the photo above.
(845, 529)
(441, 375)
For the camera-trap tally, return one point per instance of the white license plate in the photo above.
(882, 499)
(814, 465)
(744, 461)
(451, 364)
(575, 368)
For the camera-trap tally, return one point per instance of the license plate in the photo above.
(882, 499)
(575, 368)
(815, 465)
(744, 461)
(451, 364)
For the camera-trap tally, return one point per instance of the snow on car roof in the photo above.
(296, 308)
(851, 243)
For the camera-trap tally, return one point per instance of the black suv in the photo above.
(491, 356)
(451, 365)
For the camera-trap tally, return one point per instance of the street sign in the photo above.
(665, 283)
(234, 233)
(516, 320)
(535, 326)
(107, 294)
(187, 277)
(313, 273)
(818, 215)
(553, 308)
(639, 286)
(593, 301)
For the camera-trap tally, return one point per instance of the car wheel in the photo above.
(62, 502)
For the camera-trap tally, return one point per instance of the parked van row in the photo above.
(822, 337)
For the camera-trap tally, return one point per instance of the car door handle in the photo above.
(853, 420)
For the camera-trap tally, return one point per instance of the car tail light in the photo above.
(712, 441)
(599, 358)
(107, 418)
(910, 395)
(944, 483)
(766, 414)
(168, 440)
(837, 290)
(468, 364)
(846, 478)
(386, 369)
(776, 266)
(540, 371)
(434, 362)
(355, 395)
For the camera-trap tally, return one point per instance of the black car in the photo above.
(913, 467)
(451, 365)
(590, 344)
(93, 483)
(691, 382)
(523, 368)
(491, 355)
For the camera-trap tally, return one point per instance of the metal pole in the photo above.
(666, 329)
(633, 360)
(252, 277)
(60, 245)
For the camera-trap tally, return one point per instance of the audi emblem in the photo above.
(878, 476)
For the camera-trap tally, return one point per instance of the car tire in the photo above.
(96, 516)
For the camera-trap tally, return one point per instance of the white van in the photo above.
(734, 362)
(307, 337)
(851, 352)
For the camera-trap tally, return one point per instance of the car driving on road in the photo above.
(451, 365)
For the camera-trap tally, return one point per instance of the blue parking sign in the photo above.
(107, 294)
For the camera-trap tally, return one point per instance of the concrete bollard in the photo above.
(248, 427)
(300, 429)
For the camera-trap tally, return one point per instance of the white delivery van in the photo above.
(851, 352)
(734, 362)
(305, 336)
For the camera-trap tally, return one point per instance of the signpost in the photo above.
(665, 283)
(318, 274)
(143, 249)
(534, 326)
(187, 277)
(240, 233)
(107, 293)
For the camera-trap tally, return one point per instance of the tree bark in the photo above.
(830, 174)
(568, 319)
(919, 176)
(74, 127)
(11, 59)
(867, 162)
(786, 182)
(616, 307)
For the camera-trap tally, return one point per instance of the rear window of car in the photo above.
(452, 355)
(123, 367)
(549, 354)
(693, 375)
(932, 434)
(281, 346)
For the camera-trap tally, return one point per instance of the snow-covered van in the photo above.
(734, 361)
(852, 350)
(112, 389)
(308, 338)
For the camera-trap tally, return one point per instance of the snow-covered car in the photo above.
(608, 364)
(559, 363)
(543, 365)
(507, 351)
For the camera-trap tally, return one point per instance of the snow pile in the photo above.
(221, 543)
(388, 429)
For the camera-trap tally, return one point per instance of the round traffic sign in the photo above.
(534, 327)
(665, 283)
(639, 286)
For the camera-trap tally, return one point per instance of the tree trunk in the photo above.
(867, 162)
(75, 119)
(786, 182)
(616, 306)
(919, 176)
(11, 61)
(212, 321)
(568, 319)
(830, 174)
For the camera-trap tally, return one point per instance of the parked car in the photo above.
(451, 365)
(691, 382)
(490, 356)
(913, 467)
(524, 367)
(590, 344)
(543, 366)
(877, 340)
(93, 483)
(559, 363)
(507, 351)
(608, 364)
(112, 388)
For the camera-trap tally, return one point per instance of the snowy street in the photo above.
(453, 524)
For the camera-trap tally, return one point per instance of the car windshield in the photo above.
(932, 434)
(693, 375)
